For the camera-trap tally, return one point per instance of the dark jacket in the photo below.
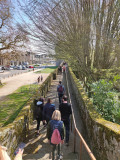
(55, 124)
(65, 110)
(48, 111)
(39, 110)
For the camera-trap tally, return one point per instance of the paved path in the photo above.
(13, 83)
(37, 147)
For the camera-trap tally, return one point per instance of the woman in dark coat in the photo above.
(38, 112)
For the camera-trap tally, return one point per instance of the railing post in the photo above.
(80, 149)
(74, 140)
(71, 122)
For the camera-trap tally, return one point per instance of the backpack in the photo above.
(64, 68)
(60, 89)
(56, 127)
(56, 138)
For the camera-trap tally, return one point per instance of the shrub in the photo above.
(105, 100)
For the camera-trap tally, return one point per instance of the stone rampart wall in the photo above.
(104, 135)
(16, 132)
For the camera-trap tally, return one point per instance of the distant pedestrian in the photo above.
(64, 68)
(39, 112)
(38, 79)
(41, 78)
(48, 111)
(55, 133)
(60, 69)
(65, 110)
(60, 90)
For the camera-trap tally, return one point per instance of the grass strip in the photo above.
(13, 103)
(47, 70)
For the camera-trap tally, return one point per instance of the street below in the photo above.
(13, 83)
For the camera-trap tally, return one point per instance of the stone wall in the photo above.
(104, 135)
(16, 132)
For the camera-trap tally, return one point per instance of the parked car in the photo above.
(3, 68)
(1, 71)
(30, 66)
(7, 68)
(19, 67)
(11, 67)
(15, 67)
(23, 68)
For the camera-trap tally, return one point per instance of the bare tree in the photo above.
(10, 37)
(83, 32)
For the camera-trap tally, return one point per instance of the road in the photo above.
(10, 73)
(13, 83)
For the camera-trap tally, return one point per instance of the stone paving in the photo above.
(37, 147)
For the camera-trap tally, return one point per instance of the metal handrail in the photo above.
(82, 142)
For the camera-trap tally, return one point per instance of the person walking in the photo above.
(48, 110)
(65, 110)
(60, 90)
(53, 124)
(38, 79)
(60, 69)
(41, 78)
(39, 113)
(64, 69)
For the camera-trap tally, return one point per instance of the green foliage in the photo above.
(47, 70)
(111, 74)
(106, 100)
(117, 77)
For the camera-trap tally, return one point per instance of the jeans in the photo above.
(60, 98)
(54, 146)
(38, 123)
(67, 129)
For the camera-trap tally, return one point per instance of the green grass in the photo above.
(47, 70)
(13, 103)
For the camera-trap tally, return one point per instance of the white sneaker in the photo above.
(67, 144)
(59, 157)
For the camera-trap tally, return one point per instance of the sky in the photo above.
(21, 18)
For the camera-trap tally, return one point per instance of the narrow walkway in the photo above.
(79, 123)
(37, 147)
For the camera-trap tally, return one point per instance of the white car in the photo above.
(1, 71)
(19, 67)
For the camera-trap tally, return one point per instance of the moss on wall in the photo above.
(104, 135)
(16, 132)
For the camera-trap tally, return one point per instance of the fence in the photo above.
(83, 147)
